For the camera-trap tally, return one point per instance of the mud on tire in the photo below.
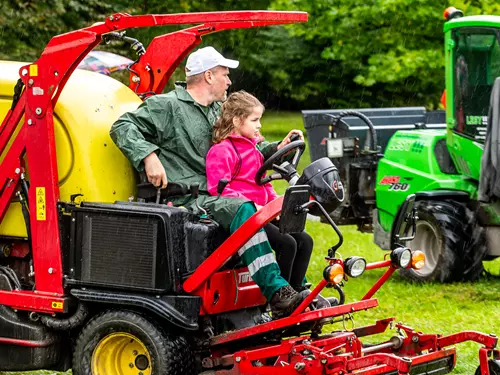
(453, 243)
(131, 332)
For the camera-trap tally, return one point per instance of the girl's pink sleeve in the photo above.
(271, 194)
(220, 164)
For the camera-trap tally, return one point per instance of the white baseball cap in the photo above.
(207, 58)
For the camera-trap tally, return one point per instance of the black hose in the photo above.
(25, 188)
(339, 289)
(73, 321)
(366, 120)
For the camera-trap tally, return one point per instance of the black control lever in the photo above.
(195, 192)
(294, 137)
(221, 186)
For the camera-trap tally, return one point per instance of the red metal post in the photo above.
(379, 283)
(306, 302)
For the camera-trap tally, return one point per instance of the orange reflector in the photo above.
(336, 273)
(448, 11)
(417, 260)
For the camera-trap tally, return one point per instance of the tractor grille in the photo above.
(119, 250)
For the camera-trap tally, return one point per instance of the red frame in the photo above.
(44, 81)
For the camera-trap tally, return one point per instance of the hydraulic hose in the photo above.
(341, 294)
(366, 120)
(73, 321)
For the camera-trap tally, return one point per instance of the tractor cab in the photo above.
(473, 55)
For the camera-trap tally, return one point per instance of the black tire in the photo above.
(453, 243)
(494, 367)
(129, 338)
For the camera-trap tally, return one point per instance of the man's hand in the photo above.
(154, 171)
(286, 140)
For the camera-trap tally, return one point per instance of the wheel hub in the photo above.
(427, 240)
(121, 354)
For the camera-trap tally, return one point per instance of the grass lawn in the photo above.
(430, 308)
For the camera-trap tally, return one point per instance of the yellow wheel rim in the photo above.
(121, 354)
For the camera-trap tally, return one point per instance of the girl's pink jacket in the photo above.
(222, 162)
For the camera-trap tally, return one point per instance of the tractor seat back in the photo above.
(148, 192)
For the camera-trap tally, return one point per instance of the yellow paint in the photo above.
(57, 305)
(119, 354)
(41, 212)
(88, 162)
(33, 70)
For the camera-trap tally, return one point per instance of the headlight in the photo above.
(401, 257)
(354, 266)
(418, 260)
(334, 274)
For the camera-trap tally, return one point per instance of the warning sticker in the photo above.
(57, 305)
(33, 70)
(40, 203)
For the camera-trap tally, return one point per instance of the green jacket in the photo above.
(179, 130)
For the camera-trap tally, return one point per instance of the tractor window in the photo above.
(476, 65)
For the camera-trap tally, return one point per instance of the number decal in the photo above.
(399, 187)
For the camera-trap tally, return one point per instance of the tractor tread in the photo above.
(169, 355)
(463, 242)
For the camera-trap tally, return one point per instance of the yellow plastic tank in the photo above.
(88, 162)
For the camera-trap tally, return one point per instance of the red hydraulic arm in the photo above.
(43, 82)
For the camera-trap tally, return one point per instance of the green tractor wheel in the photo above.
(124, 343)
(453, 244)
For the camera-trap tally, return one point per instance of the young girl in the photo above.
(235, 156)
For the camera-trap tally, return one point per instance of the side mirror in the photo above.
(293, 216)
(406, 220)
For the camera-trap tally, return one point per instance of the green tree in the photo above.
(377, 53)
(27, 26)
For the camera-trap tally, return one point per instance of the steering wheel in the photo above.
(281, 171)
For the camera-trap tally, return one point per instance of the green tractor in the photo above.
(453, 169)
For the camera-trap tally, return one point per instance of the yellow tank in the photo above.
(88, 161)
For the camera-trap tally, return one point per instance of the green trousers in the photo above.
(257, 253)
(258, 256)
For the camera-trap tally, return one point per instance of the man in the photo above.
(168, 137)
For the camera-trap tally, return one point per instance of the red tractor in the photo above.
(99, 275)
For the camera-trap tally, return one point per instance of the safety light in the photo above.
(354, 266)
(417, 260)
(334, 274)
(452, 12)
(401, 257)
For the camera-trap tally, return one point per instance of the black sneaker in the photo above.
(285, 301)
(321, 302)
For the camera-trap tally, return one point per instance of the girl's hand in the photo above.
(286, 140)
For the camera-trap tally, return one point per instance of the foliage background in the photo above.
(351, 53)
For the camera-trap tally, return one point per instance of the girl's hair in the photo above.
(239, 104)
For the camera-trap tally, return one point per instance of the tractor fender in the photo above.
(439, 195)
(383, 239)
(181, 311)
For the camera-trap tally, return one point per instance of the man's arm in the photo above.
(269, 148)
(136, 134)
